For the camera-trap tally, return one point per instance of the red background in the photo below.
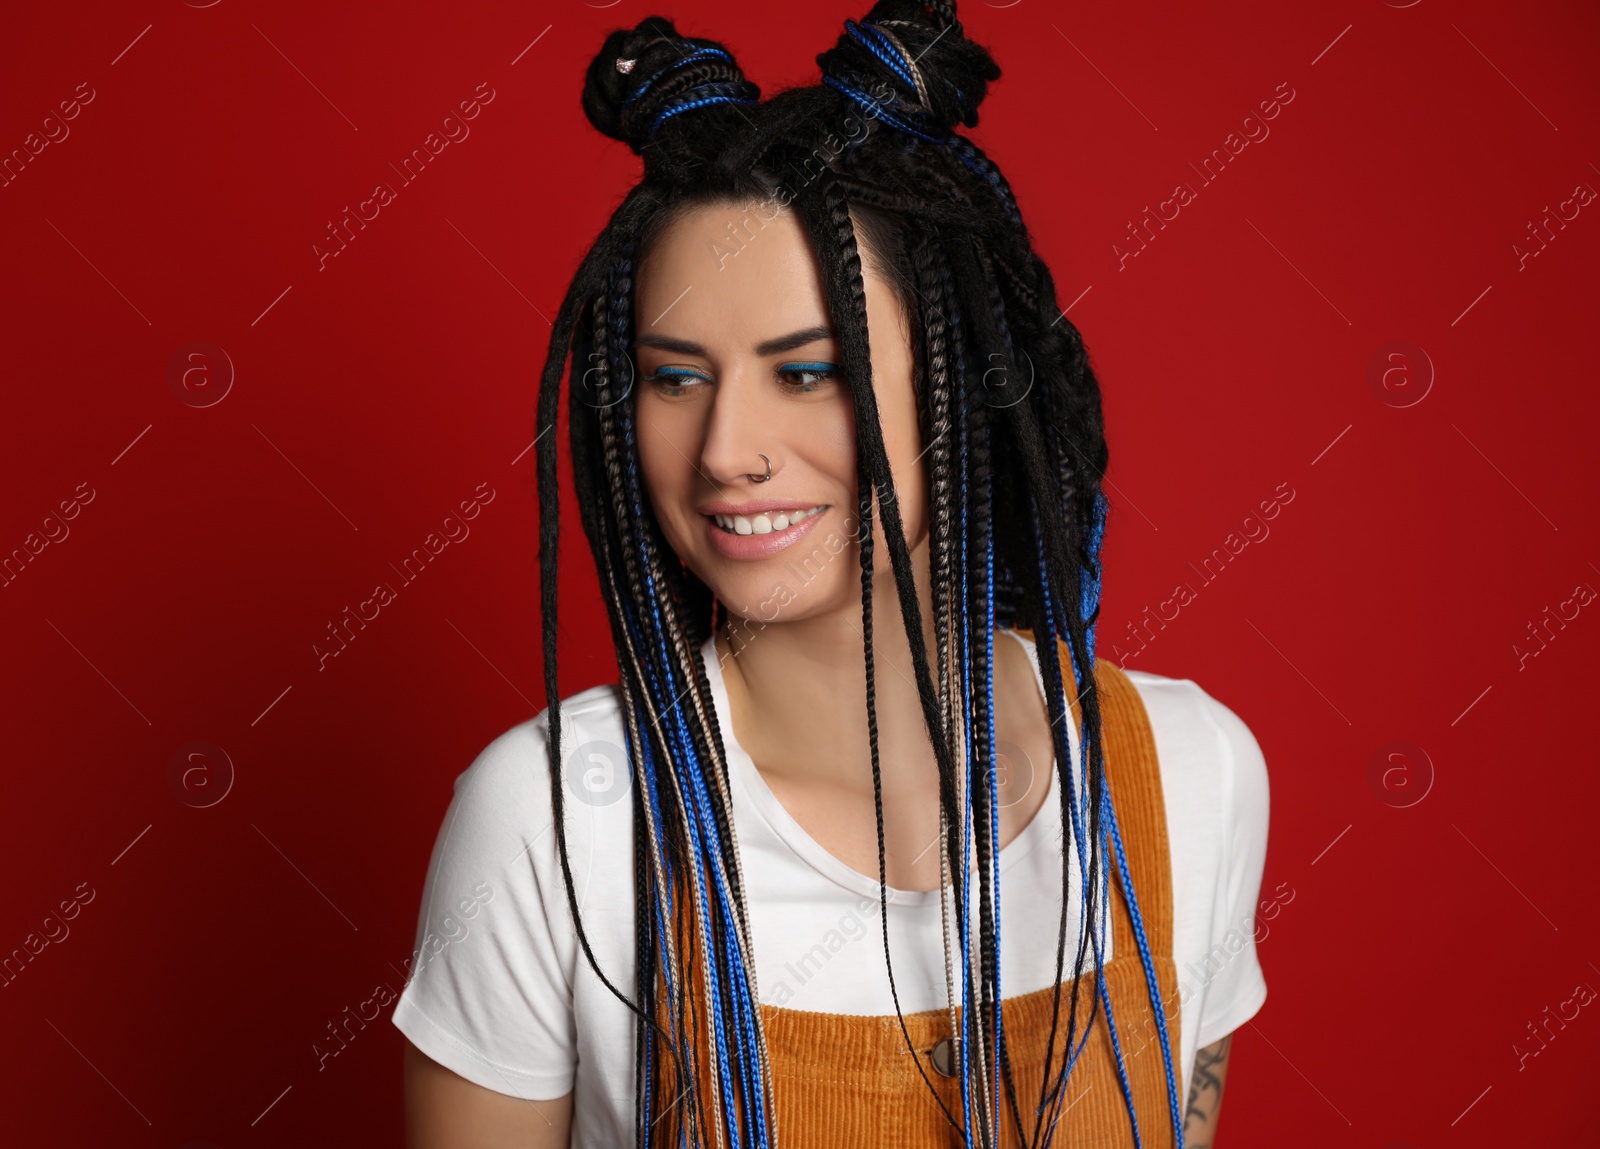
(1412, 946)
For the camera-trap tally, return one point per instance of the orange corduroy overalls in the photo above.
(848, 1082)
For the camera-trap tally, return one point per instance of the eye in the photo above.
(805, 377)
(673, 381)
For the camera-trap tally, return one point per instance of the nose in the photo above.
(741, 427)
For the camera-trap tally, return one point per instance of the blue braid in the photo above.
(1078, 812)
(704, 842)
(714, 1005)
(994, 792)
(876, 108)
(693, 57)
(736, 92)
(704, 848)
(1089, 603)
(962, 147)
(963, 910)
(1090, 598)
(1091, 581)
(1116, 1046)
(705, 839)
(701, 95)
(663, 908)
(663, 916)
(873, 40)
(1150, 977)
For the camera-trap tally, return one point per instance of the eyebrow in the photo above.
(769, 347)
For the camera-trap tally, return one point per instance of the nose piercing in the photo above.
(768, 475)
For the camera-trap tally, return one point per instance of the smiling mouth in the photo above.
(764, 523)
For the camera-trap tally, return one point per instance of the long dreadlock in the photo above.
(1017, 517)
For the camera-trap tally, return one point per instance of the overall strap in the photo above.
(1133, 775)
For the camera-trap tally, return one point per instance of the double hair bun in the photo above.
(918, 74)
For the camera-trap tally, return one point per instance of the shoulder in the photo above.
(520, 757)
(1204, 747)
(1182, 707)
(498, 830)
(503, 797)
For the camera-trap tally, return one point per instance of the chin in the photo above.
(781, 594)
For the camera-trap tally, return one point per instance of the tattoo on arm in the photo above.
(1205, 1094)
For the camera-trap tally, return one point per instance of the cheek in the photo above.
(911, 478)
(831, 437)
(914, 507)
(661, 468)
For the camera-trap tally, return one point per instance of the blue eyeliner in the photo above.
(680, 372)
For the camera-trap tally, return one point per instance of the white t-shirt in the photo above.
(501, 993)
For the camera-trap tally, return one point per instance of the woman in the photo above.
(808, 875)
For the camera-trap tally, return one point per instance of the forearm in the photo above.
(1205, 1094)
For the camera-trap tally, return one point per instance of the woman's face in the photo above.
(736, 359)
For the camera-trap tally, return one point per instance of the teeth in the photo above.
(764, 523)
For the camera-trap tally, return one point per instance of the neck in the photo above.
(797, 690)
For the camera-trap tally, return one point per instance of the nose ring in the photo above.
(768, 475)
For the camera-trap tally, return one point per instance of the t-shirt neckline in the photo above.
(747, 779)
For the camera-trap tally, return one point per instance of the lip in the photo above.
(746, 548)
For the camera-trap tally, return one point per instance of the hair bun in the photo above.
(645, 76)
(937, 76)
